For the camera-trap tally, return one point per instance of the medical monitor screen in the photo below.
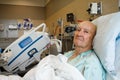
(25, 42)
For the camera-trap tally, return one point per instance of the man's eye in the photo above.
(86, 31)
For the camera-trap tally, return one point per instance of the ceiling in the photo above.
(41, 3)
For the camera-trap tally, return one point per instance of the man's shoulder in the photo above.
(68, 53)
(93, 60)
(92, 57)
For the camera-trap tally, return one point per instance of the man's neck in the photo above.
(78, 51)
(81, 50)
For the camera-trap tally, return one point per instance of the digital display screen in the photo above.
(25, 42)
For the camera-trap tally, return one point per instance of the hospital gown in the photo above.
(88, 64)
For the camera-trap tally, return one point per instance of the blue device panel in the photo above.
(25, 42)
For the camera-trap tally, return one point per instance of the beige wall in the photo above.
(59, 8)
(21, 12)
(18, 12)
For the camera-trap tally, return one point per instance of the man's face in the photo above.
(84, 35)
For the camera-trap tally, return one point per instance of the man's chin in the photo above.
(79, 44)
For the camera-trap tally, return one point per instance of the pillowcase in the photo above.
(104, 44)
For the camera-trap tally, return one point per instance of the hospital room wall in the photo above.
(59, 8)
(20, 12)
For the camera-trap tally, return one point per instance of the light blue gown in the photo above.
(88, 64)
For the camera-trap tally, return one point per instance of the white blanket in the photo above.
(49, 68)
(10, 77)
(54, 68)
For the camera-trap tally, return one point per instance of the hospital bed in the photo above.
(27, 50)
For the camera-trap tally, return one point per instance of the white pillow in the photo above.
(108, 29)
(117, 56)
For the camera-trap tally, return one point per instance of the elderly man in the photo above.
(83, 57)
